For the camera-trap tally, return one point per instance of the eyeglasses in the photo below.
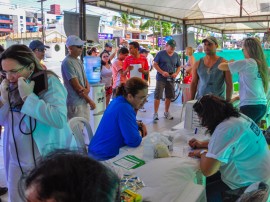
(78, 46)
(142, 98)
(13, 72)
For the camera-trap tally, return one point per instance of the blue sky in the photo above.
(33, 4)
(67, 5)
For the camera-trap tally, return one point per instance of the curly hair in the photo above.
(213, 110)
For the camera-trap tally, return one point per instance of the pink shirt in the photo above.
(117, 77)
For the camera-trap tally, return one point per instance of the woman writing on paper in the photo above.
(237, 148)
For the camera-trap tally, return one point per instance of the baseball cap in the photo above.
(73, 40)
(143, 50)
(171, 43)
(36, 44)
(210, 39)
(108, 44)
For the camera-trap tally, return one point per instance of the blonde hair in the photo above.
(255, 51)
(189, 51)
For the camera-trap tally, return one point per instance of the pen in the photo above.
(195, 132)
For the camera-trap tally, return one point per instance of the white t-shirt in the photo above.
(251, 89)
(241, 148)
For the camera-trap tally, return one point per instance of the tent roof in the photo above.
(227, 16)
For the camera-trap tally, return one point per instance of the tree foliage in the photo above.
(126, 20)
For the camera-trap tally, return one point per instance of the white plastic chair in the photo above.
(77, 125)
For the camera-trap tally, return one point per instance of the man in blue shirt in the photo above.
(167, 64)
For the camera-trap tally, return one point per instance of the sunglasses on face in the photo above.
(42, 50)
(78, 46)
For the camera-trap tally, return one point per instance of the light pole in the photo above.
(42, 20)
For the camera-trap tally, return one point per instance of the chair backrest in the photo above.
(77, 125)
(256, 192)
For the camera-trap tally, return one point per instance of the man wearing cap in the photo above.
(39, 50)
(108, 49)
(75, 80)
(207, 78)
(167, 64)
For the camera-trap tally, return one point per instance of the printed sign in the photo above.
(105, 36)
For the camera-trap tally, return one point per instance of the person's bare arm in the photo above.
(113, 54)
(174, 75)
(87, 88)
(195, 80)
(163, 73)
(224, 66)
(209, 166)
(82, 92)
(229, 85)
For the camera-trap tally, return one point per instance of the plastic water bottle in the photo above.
(148, 150)
(92, 68)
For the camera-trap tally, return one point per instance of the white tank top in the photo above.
(106, 76)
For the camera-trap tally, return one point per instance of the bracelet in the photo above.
(203, 151)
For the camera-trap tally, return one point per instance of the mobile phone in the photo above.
(41, 82)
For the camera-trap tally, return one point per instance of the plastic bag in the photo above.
(156, 146)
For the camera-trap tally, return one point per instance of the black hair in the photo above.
(132, 86)
(1, 49)
(103, 63)
(93, 49)
(135, 44)
(213, 110)
(68, 176)
(123, 50)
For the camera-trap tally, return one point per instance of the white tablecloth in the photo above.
(167, 179)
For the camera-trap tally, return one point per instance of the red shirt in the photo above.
(132, 60)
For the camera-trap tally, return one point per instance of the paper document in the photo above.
(129, 162)
(135, 72)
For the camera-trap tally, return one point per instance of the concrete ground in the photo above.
(147, 117)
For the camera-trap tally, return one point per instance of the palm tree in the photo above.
(126, 20)
(152, 24)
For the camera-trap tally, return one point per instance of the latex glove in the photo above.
(4, 91)
(24, 88)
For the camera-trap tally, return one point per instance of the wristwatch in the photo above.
(203, 151)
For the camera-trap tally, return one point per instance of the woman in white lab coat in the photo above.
(33, 113)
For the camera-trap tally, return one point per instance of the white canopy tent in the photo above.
(221, 16)
(227, 16)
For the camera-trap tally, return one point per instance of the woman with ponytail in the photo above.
(118, 126)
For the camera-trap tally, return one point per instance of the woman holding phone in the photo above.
(34, 114)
